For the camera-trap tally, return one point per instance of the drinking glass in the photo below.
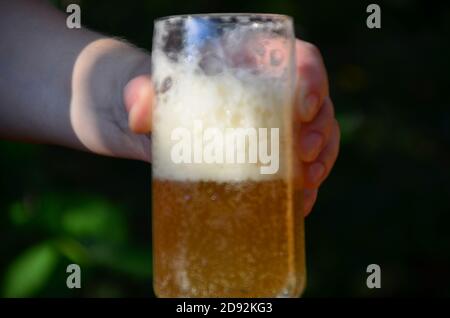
(227, 218)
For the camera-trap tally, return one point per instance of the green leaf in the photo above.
(73, 250)
(95, 218)
(82, 217)
(29, 273)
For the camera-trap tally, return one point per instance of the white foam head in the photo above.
(219, 97)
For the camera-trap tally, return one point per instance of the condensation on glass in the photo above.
(225, 229)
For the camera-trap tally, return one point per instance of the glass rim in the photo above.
(218, 15)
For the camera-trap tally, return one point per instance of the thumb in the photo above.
(138, 100)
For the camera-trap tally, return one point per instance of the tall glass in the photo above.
(227, 219)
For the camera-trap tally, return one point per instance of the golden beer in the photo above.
(223, 228)
(227, 240)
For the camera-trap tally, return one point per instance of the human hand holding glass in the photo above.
(317, 135)
(227, 71)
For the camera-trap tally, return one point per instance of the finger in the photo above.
(309, 198)
(316, 172)
(138, 99)
(261, 52)
(312, 84)
(314, 136)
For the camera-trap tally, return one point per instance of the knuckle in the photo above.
(313, 49)
(306, 68)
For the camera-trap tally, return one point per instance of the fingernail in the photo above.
(308, 106)
(316, 172)
(132, 113)
(130, 97)
(311, 144)
(309, 200)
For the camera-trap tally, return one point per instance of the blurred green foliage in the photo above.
(386, 201)
(60, 207)
(30, 271)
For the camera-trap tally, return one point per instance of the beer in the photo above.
(226, 240)
(223, 227)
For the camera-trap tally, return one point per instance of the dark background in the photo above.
(387, 200)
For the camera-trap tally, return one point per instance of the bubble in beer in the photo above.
(211, 64)
(166, 85)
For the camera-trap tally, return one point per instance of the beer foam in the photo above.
(227, 99)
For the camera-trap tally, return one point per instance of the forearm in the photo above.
(52, 78)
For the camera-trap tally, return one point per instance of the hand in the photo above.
(318, 134)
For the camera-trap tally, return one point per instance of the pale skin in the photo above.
(83, 90)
